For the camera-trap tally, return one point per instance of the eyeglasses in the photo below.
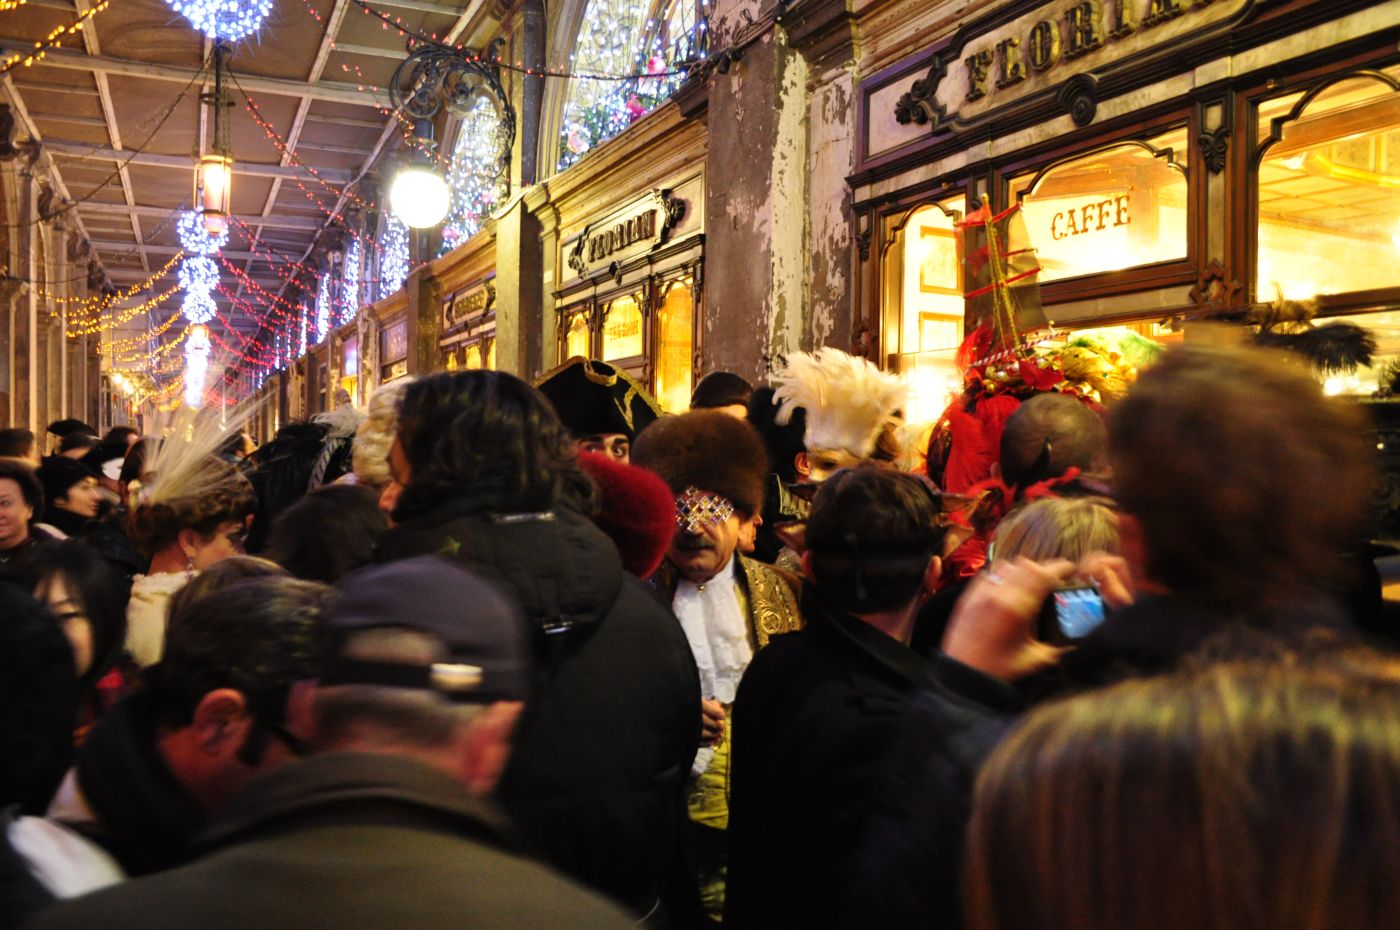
(255, 746)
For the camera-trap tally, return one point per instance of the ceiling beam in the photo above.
(147, 249)
(279, 222)
(333, 91)
(109, 119)
(345, 121)
(77, 119)
(464, 18)
(371, 51)
(313, 76)
(51, 88)
(424, 6)
(86, 152)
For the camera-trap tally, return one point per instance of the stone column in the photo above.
(519, 292)
(824, 31)
(424, 308)
(756, 210)
(24, 331)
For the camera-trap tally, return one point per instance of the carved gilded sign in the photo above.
(1040, 49)
(635, 229)
(468, 304)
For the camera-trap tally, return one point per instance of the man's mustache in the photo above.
(693, 543)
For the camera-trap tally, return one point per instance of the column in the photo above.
(520, 269)
(756, 211)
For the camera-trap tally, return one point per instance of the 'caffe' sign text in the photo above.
(1064, 34)
(1094, 216)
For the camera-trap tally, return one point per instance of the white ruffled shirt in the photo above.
(714, 624)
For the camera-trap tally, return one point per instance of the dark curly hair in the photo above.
(258, 636)
(488, 440)
(224, 495)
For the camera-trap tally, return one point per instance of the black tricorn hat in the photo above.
(593, 398)
(69, 426)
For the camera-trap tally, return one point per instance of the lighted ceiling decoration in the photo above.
(323, 307)
(350, 282)
(474, 175)
(195, 238)
(230, 20)
(655, 42)
(196, 363)
(198, 306)
(393, 257)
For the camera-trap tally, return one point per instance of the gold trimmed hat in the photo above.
(593, 398)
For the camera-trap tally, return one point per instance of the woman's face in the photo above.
(15, 514)
(70, 613)
(224, 543)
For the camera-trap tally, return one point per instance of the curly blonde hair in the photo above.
(370, 453)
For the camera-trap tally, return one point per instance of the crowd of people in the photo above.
(490, 653)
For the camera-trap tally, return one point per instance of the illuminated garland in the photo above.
(92, 327)
(323, 308)
(224, 19)
(94, 303)
(199, 306)
(393, 257)
(51, 41)
(350, 283)
(194, 235)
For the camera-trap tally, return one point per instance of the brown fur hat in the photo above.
(709, 450)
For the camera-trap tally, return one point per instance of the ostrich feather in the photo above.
(848, 400)
(190, 438)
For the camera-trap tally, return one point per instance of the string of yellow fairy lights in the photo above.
(95, 303)
(51, 41)
(118, 346)
(92, 327)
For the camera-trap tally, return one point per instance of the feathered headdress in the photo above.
(848, 400)
(184, 463)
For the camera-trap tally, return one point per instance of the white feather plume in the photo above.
(848, 400)
(180, 466)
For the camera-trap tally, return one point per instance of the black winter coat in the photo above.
(344, 841)
(816, 714)
(600, 756)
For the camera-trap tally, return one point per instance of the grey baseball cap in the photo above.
(485, 635)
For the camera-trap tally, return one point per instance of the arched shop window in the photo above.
(1327, 202)
(623, 332)
(1328, 190)
(674, 346)
(627, 37)
(475, 174)
(923, 289)
(1118, 207)
(576, 337)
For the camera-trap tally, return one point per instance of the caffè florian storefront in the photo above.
(1174, 161)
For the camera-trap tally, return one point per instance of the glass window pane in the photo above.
(1116, 208)
(491, 355)
(931, 301)
(576, 342)
(475, 174)
(673, 357)
(472, 358)
(654, 42)
(622, 329)
(1329, 193)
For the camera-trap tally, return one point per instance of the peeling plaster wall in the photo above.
(756, 231)
(788, 329)
(832, 159)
